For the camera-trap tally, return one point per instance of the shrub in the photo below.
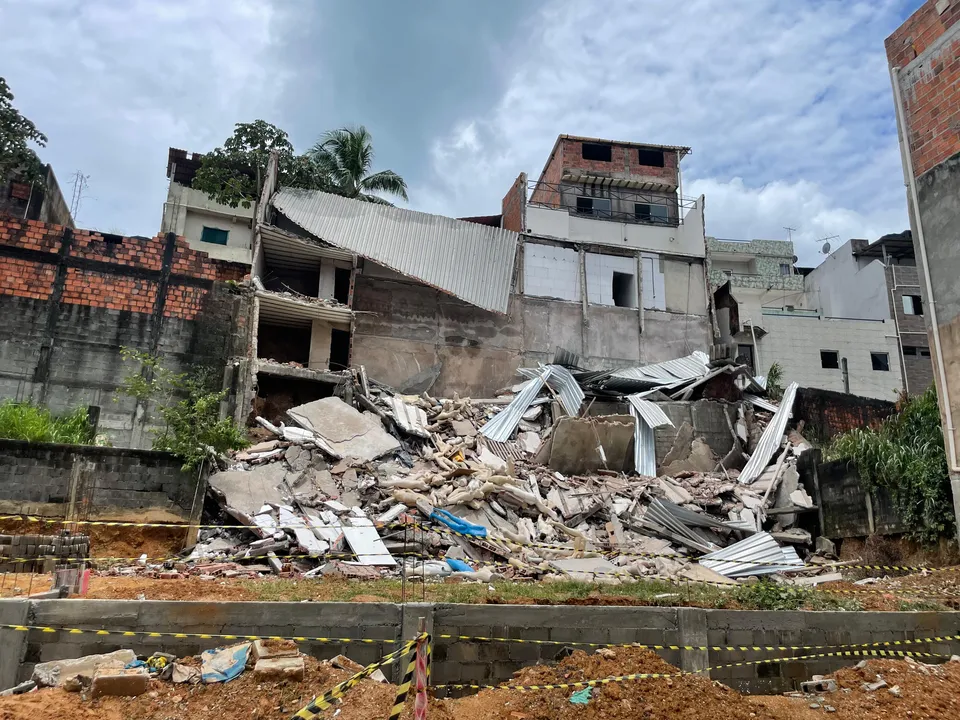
(25, 421)
(188, 404)
(905, 455)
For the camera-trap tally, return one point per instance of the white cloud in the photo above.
(787, 107)
(113, 85)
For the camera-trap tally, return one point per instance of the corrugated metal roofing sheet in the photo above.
(757, 555)
(470, 261)
(685, 368)
(770, 439)
(651, 412)
(562, 382)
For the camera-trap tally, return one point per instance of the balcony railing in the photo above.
(612, 203)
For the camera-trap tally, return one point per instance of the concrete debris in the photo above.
(57, 672)
(536, 483)
(341, 431)
(119, 682)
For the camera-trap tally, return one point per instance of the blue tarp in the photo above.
(223, 664)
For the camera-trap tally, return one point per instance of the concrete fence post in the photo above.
(692, 627)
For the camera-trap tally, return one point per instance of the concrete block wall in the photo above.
(119, 483)
(554, 272)
(707, 416)
(796, 341)
(600, 270)
(471, 661)
(71, 299)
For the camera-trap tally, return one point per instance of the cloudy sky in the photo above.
(787, 105)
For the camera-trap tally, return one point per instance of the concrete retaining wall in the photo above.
(469, 661)
(116, 483)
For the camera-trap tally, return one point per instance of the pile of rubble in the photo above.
(555, 477)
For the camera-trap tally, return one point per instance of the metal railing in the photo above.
(564, 196)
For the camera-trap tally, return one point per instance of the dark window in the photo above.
(650, 212)
(910, 351)
(652, 158)
(597, 151)
(341, 285)
(112, 239)
(745, 356)
(593, 206)
(912, 305)
(624, 290)
(880, 361)
(924, 352)
(830, 359)
(339, 349)
(214, 235)
(784, 269)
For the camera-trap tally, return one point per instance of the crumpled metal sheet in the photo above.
(562, 382)
(757, 555)
(647, 415)
(770, 439)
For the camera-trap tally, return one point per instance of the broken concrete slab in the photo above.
(365, 542)
(248, 490)
(586, 566)
(463, 428)
(324, 482)
(572, 448)
(56, 672)
(279, 668)
(693, 457)
(530, 442)
(341, 431)
(700, 573)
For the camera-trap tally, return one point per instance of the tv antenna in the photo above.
(790, 232)
(80, 183)
(825, 248)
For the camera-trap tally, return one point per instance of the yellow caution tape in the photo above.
(326, 701)
(624, 553)
(713, 648)
(403, 689)
(176, 526)
(201, 636)
(652, 676)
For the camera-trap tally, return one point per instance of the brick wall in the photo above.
(624, 160)
(513, 205)
(70, 299)
(118, 483)
(830, 413)
(927, 49)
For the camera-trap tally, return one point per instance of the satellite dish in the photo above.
(826, 248)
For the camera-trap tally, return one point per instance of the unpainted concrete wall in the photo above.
(118, 483)
(403, 328)
(706, 417)
(469, 661)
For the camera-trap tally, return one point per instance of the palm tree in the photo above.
(344, 158)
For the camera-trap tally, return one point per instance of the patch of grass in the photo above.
(25, 421)
(766, 595)
(920, 606)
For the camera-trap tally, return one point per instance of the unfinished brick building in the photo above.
(924, 58)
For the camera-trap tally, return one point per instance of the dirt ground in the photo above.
(109, 542)
(925, 692)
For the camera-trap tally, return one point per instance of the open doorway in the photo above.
(339, 349)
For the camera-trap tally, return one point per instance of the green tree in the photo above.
(16, 134)
(189, 406)
(344, 158)
(234, 173)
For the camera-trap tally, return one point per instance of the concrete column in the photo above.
(319, 345)
(692, 626)
(13, 643)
